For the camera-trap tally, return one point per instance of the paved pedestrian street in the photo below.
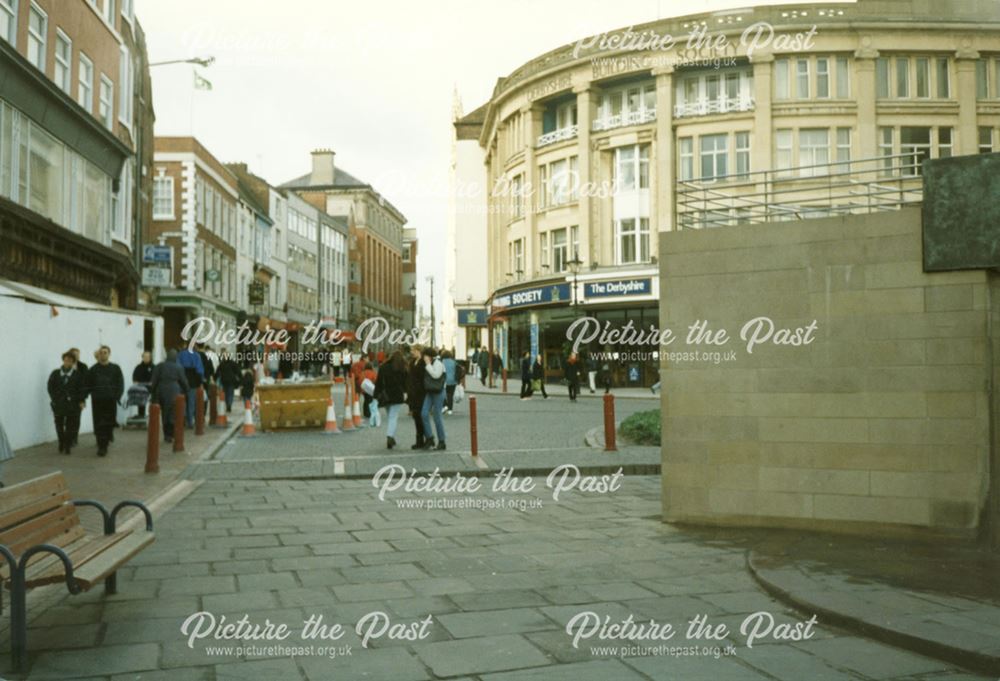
(500, 585)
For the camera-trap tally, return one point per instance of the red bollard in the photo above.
(179, 417)
(504, 380)
(213, 404)
(609, 423)
(473, 426)
(199, 411)
(153, 439)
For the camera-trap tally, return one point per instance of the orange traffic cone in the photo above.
(221, 419)
(358, 423)
(248, 428)
(348, 420)
(331, 418)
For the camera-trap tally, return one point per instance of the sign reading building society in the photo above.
(539, 295)
(618, 287)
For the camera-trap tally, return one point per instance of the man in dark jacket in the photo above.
(415, 393)
(526, 376)
(168, 382)
(105, 385)
(143, 375)
(484, 364)
(228, 377)
(67, 395)
(573, 376)
(194, 371)
(81, 368)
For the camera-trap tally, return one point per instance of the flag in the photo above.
(201, 83)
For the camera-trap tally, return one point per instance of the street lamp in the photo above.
(413, 295)
(431, 280)
(198, 61)
(574, 267)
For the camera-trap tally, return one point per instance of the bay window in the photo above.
(631, 104)
(700, 94)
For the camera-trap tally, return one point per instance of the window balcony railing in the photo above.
(569, 132)
(843, 188)
(623, 119)
(704, 107)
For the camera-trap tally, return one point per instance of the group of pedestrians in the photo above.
(425, 381)
(486, 364)
(72, 384)
(532, 376)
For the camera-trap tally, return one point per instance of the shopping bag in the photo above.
(459, 394)
(367, 387)
(375, 419)
(536, 384)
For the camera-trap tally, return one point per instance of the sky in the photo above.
(373, 80)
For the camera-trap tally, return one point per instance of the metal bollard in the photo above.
(609, 423)
(199, 411)
(153, 439)
(504, 380)
(473, 426)
(213, 404)
(180, 402)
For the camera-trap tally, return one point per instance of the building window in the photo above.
(128, 10)
(632, 240)
(519, 258)
(982, 80)
(125, 87)
(8, 20)
(882, 77)
(915, 143)
(781, 79)
(783, 149)
(822, 77)
(109, 11)
(543, 250)
(685, 157)
(802, 78)
(843, 79)
(944, 142)
(985, 140)
(64, 57)
(843, 145)
(562, 183)
(85, 87)
(923, 77)
(106, 103)
(517, 201)
(943, 87)
(814, 150)
(163, 197)
(38, 26)
(885, 146)
(630, 104)
(574, 242)
(714, 150)
(902, 77)
(632, 168)
(742, 153)
(559, 253)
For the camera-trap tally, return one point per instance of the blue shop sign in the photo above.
(618, 287)
(529, 297)
(472, 317)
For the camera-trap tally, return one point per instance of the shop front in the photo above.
(539, 319)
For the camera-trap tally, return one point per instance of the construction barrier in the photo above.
(221, 419)
(348, 418)
(249, 430)
(331, 417)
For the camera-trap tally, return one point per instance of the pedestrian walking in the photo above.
(591, 364)
(573, 376)
(415, 394)
(368, 388)
(247, 385)
(450, 380)
(434, 389)
(526, 376)
(67, 395)
(209, 365)
(390, 391)
(168, 381)
(82, 368)
(496, 365)
(538, 377)
(194, 372)
(143, 375)
(228, 379)
(483, 364)
(105, 385)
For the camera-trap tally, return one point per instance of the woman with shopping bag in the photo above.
(538, 377)
(390, 386)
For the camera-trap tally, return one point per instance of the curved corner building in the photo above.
(594, 147)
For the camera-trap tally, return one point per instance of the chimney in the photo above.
(322, 167)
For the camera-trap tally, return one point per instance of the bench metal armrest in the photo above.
(71, 584)
(136, 504)
(109, 526)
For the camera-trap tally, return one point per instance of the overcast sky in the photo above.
(372, 80)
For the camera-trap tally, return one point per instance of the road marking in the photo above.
(338, 466)
(479, 462)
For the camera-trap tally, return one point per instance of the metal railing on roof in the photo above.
(821, 190)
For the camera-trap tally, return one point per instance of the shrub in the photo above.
(642, 428)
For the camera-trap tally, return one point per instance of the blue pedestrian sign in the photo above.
(153, 253)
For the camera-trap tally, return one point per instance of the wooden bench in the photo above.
(43, 542)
